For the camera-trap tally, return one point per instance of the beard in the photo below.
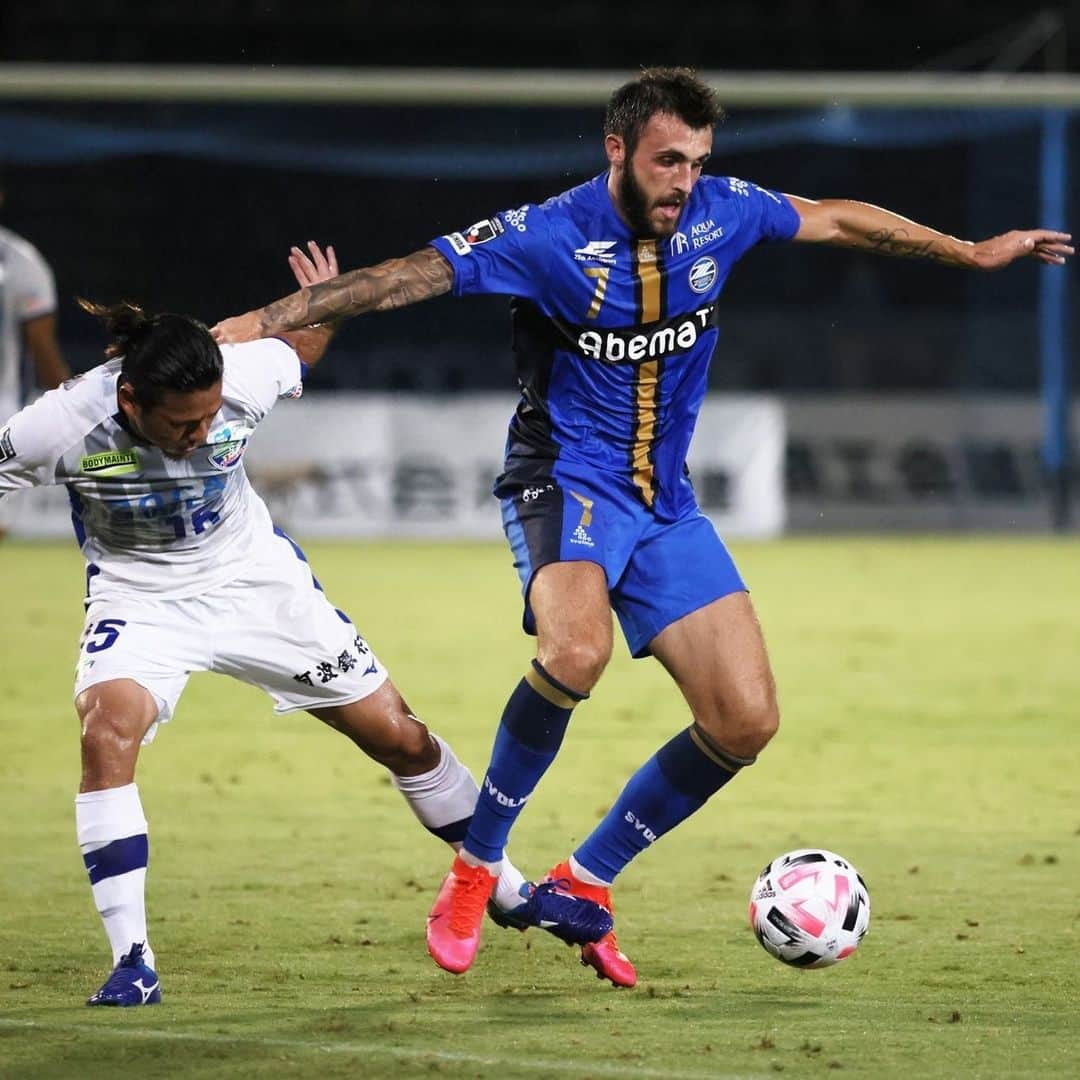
(635, 206)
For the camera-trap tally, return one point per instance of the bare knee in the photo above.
(113, 719)
(744, 721)
(383, 726)
(577, 662)
(415, 752)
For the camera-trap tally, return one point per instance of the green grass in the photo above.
(931, 698)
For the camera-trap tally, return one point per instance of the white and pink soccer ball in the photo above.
(809, 908)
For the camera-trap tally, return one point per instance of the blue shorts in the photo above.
(656, 571)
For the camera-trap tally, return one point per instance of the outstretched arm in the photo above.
(310, 342)
(846, 223)
(390, 284)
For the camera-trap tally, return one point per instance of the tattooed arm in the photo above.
(869, 228)
(390, 284)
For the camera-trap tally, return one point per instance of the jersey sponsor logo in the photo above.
(596, 251)
(703, 274)
(483, 231)
(7, 448)
(516, 218)
(705, 232)
(679, 243)
(110, 463)
(677, 335)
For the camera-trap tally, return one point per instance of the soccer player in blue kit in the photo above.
(615, 286)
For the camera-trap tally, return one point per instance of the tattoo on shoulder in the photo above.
(897, 243)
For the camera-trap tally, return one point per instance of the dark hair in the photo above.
(160, 352)
(675, 90)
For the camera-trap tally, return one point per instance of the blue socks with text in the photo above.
(675, 782)
(112, 834)
(529, 736)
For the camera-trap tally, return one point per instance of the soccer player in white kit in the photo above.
(27, 324)
(186, 572)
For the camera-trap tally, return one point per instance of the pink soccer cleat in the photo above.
(453, 925)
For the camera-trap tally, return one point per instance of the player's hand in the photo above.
(318, 267)
(246, 327)
(1042, 244)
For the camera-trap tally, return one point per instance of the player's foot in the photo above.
(570, 918)
(603, 955)
(132, 982)
(453, 925)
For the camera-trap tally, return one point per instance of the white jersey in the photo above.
(148, 523)
(27, 291)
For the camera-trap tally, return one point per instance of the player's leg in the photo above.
(573, 622)
(682, 601)
(569, 602)
(132, 669)
(112, 832)
(562, 534)
(717, 657)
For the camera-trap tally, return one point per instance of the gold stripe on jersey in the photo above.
(649, 289)
(648, 272)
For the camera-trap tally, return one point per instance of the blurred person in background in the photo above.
(615, 287)
(187, 572)
(27, 325)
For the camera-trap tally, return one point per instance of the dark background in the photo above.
(208, 232)
(791, 35)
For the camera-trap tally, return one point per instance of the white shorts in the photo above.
(272, 628)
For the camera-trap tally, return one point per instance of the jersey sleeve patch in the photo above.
(500, 254)
(7, 447)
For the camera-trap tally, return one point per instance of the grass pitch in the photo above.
(930, 693)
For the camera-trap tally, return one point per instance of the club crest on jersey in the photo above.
(228, 444)
(227, 455)
(703, 274)
(110, 462)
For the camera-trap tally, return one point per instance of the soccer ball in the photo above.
(809, 908)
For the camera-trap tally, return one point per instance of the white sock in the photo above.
(584, 876)
(446, 796)
(101, 819)
(443, 797)
(508, 895)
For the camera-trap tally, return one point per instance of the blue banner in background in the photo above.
(483, 145)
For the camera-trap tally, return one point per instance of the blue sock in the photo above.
(677, 780)
(529, 736)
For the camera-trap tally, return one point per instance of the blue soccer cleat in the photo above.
(570, 918)
(132, 982)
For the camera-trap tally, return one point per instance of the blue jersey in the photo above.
(613, 333)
